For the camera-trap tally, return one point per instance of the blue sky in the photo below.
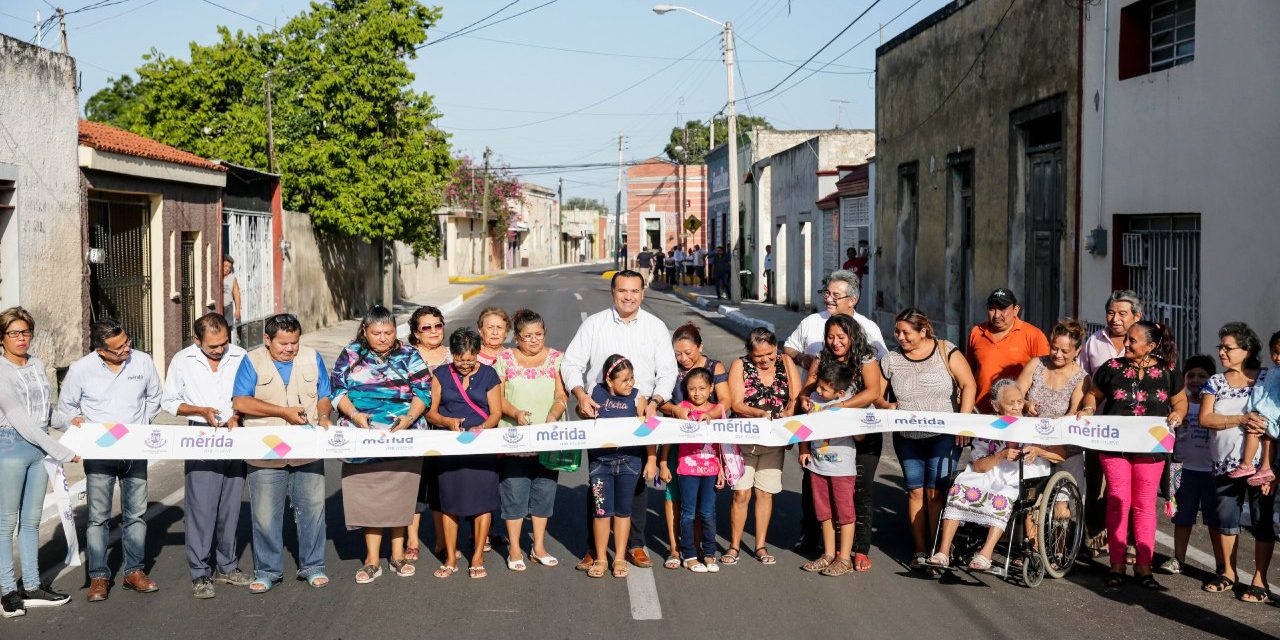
(495, 85)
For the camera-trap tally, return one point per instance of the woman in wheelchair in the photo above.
(987, 491)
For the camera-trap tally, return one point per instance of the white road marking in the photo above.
(577, 296)
(553, 276)
(584, 316)
(643, 591)
(154, 510)
(522, 291)
(1205, 560)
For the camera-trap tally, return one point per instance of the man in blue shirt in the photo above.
(279, 383)
(114, 384)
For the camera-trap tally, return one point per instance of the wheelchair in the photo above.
(1052, 505)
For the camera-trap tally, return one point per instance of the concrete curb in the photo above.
(735, 316)
(402, 329)
(470, 279)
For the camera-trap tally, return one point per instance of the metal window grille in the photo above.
(187, 287)
(120, 287)
(1173, 33)
(1169, 284)
(250, 242)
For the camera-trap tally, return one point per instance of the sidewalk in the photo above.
(744, 316)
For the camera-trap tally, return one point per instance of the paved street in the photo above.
(748, 600)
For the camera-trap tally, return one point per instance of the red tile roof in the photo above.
(105, 137)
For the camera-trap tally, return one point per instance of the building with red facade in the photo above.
(660, 194)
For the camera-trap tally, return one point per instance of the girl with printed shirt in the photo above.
(833, 472)
(698, 473)
(614, 473)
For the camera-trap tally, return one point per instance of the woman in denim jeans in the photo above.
(613, 473)
(24, 442)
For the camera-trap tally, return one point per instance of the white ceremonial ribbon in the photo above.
(62, 497)
(170, 442)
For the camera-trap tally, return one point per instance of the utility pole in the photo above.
(735, 251)
(484, 218)
(617, 220)
(62, 27)
(38, 38)
(560, 224)
(271, 136)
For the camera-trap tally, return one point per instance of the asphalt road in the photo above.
(747, 600)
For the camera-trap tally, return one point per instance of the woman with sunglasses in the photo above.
(426, 334)
(534, 392)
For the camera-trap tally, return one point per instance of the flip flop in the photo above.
(444, 571)
(477, 572)
(620, 568)
(672, 562)
(411, 554)
(1218, 584)
(763, 555)
(861, 562)
(597, 569)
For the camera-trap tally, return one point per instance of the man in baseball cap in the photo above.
(1001, 346)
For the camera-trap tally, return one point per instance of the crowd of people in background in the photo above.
(625, 362)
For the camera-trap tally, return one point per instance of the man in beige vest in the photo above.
(281, 383)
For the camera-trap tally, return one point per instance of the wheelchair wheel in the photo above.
(1033, 569)
(1060, 512)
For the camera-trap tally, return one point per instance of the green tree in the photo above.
(111, 103)
(692, 139)
(579, 202)
(355, 144)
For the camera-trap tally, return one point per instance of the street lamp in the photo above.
(735, 266)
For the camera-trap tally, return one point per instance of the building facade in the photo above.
(152, 226)
(41, 262)
(534, 229)
(977, 121)
(1178, 131)
(800, 177)
(252, 231)
(662, 197)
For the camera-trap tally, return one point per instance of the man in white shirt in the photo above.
(199, 384)
(840, 296)
(680, 259)
(768, 273)
(113, 384)
(1124, 308)
(643, 338)
(699, 265)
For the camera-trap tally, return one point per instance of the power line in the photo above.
(486, 26)
(842, 54)
(635, 56)
(113, 17)
(556, 113)
(458, 31)
(242, 15)
(792, 64)
(598, 102)
(819, 51)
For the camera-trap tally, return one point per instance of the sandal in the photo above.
(260, 586)
(838, 568)
(597, 568)
(693, 565)
(1130, 557)
(730, 557)
(318, 580)
(368, 573)
(814, 566)
(1255, 594)
(1257, 480)
(445, 571)
(477, 572)
(516, 565)
(403, 568)
(1148, 581)
(763, 555)
(672, 562)
(411, 554)
(712, 565)
(861, 562)
(620, 569)
(980, 563)
(1218, 584)
(1113, 580)
(938, 560)
(546, 561)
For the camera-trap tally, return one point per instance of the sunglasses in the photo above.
(430, 327)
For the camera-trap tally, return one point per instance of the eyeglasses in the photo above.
(122, 351)
(19, 333)
(1228, 348)
(430, 327)
(531, 337)
(834, 297)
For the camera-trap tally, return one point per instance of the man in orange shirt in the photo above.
(1001, 346)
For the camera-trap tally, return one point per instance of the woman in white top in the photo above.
(230, 293)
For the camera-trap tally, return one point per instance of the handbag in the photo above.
(732, 463)
(945, 355)
(466, 398)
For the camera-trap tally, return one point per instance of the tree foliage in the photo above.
(354, 143)
(590, 204)
(466, 190)
(694, 136)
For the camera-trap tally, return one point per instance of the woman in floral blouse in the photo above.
(1141, 383)
(534, 393)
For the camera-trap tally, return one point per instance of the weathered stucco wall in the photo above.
(328, 279)
(40, 239)
(929, 105)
